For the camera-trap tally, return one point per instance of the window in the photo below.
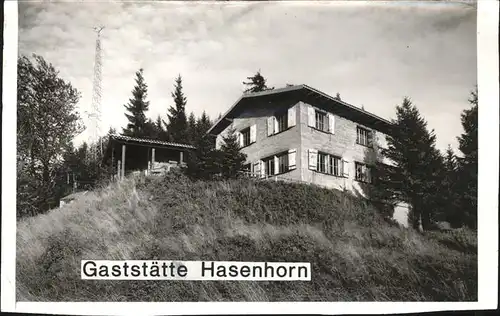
(279, 163)
(246, 168)
(321, 121)
(283, 162)
(364, 137)
(282, 122)
(246, 137)
(269, 166)
(363, 173)
(329, 164)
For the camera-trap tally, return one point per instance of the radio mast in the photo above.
(95, 114)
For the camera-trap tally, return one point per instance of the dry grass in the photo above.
(354, 253)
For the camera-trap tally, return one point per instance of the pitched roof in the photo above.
(216, 128)
(150, 141)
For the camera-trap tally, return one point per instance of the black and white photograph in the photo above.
(220, 151)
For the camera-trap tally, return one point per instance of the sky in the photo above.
(373, 54)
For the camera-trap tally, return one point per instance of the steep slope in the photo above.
(355, 254)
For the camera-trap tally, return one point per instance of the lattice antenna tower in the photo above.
(95, 114)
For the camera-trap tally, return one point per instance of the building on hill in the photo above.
(139, 155)
(300, 134)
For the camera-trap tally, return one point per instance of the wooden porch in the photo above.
(139, 155)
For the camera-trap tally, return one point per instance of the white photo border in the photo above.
(487, 52)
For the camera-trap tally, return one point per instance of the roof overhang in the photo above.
(145, 142)
(306, 94)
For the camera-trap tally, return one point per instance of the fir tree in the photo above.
(414, 177)
(450, 202)
(202, 163)
(256, 83)
(468, 164)
(177, 126)
(230, 158)
(137, 107)
(203, 124)
(191, 128)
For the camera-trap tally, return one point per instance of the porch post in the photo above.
(152, 158)
(118, 172)
(181, 157)
(123, 161)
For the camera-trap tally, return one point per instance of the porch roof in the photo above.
(127, 140)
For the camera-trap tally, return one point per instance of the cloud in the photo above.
(372, 54)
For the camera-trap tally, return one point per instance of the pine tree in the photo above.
(203, 124)
(230, 158)
(468, 165)
(191, 128)
(414, 177)
(137, 107)
(257, 83)
(177, 126)
(450, 207)
(202, 163)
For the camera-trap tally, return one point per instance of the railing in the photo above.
(277, 177)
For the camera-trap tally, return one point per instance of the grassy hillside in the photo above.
(355, 254)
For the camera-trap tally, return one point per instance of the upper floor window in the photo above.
(321, 121)
(363, 172)
(281, 122)
(364, 137)
(246, 137)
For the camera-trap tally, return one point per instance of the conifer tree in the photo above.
(468, 164)
(191, 128)
(203, 124)
(450, 202)
(177, 125)
(256, 83)
(202, 163)
(230, 158)
(414, 178)
(137, 107)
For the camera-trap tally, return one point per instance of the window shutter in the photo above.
(253, 133)
(240, 138)
(345, 168)
(313, 159)
(262, 169)
(292, 114)
(331, 123)
(276, 127)
(292, 164)
(311, 116)
(369, 137)
(276, 165)
(270, 125)
(256, 168)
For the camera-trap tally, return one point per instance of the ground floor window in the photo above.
(363, 172)
(329, 164)
(276, 164)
